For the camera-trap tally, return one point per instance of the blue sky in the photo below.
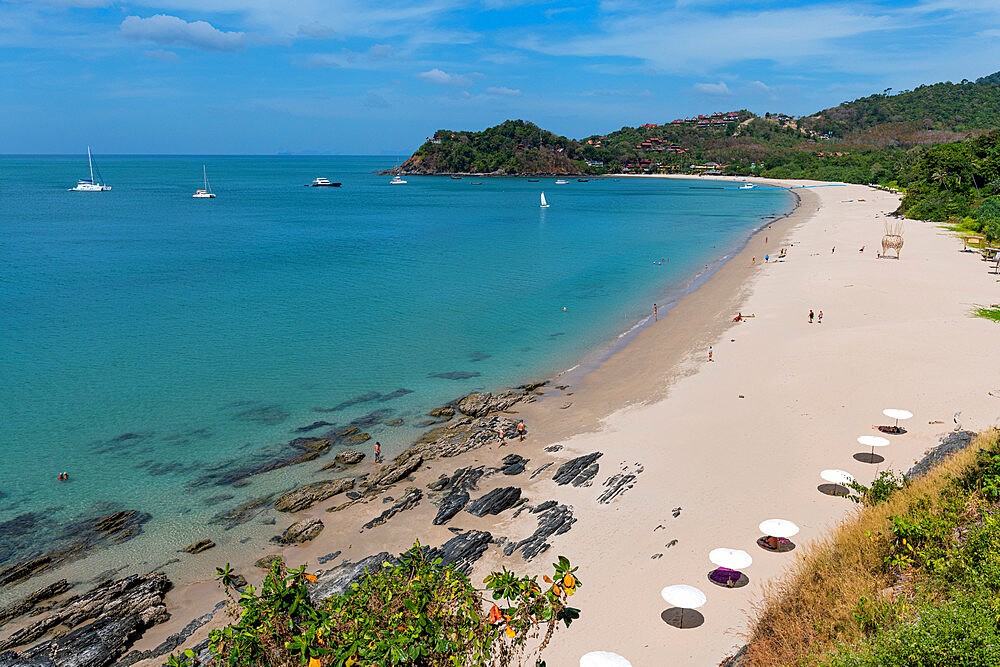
(266, 76)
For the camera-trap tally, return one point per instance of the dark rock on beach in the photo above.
(454, 503)
(340, 578)
(950, 444)
(553, 519)
(463, 550)
(311, 427)
(445, 412)
(480, 404)
(619, 483)
(301, 531)
(242, 513)
(30, 602)
(349, 457)
(495, 501)
(513, 464)
(409, 500)
(310, 494)
(172, 642)
(106, 620)
(199, 546)
(578, 471)
(402, 466)
(265, 562)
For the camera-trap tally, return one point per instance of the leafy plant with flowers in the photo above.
(414, 611)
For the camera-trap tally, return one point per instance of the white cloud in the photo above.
(172, 31)
(503, 91)
(316, 30)
(760, 85)
(442, 78)
(719, 89)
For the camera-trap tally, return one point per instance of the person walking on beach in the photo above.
(710, 353)
(767, 258)
(820, 318)
(656, 316)
(811, 316)
(521, 430)
(502, 443)
(378, 452)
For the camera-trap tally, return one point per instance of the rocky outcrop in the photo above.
(513, 464)
(453, 503)
(310, 494)
(172, 642)
(31, 601)
(444, 412)
(401, 466)
(579, 471)
(298, 450)
(349, 457)
(495, 501)
(480, 404)
(950, 444)
(106, 620)
(339, 579)
(463, 550)
(199, 546)
(82, 538)
(301, 531)
(619, 483)
(409, 500)
(265, 562)
(553, 519)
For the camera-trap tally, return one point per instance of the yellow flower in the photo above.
(510, 632)
(312, 577)
(314, 662)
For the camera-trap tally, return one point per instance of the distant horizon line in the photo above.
(379, 155)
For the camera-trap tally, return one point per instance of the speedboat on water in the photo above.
(561, 182)
(91, 185)
(747, 186)
(324, 183)
(397, 180)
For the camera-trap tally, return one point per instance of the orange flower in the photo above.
(547, 579)
(312, 577)
(510, 632)
(495, 614)
(314, 662)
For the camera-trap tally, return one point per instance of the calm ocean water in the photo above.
(205, 330)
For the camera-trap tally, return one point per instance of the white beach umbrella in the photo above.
(684, 596)
(732, 559)
(778, 528)
(837, 476)
(873, 441)
(897, 414)
(603, 659)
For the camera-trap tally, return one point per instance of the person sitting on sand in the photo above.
(862, 249)
(738, 318)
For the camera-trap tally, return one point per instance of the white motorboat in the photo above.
(397, 180)
(545, 204)
(561, 182)
(747, 186)
(324, 183)
(91, 184)
(207, 192)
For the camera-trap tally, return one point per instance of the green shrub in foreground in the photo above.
(416, 613)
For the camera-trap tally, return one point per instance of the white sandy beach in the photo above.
(731, 442)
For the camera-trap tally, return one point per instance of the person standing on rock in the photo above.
(521, 431)
(378, 452)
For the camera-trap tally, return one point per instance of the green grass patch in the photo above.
(987, 313)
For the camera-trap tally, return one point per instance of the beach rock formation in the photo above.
(339, 579)
(463, 550)
(513, 464)
(578, 471)
(310, 494)
(950, 444)
(480, 404)
(410, 499)
(243, 512)
(199, 546)
(265, 562)
(298, 450)
(106, 620)
(401, 466)
(301, 531)
(495, 501)
(312, 427)
(82, 537)
(453, 503)
(553, 519)
(349, 457)
(619, 483)
(172, 642)
(30, 602)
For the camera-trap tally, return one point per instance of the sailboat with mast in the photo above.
(545, 204)
(91, 184)
(207, 192)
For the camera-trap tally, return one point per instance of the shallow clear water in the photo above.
(206, 329)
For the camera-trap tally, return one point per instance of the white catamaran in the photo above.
(207, 192)
(545, 204)
(91, 185)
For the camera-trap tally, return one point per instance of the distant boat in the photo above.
(397, 180)
(456, 178)
(324, 183)
(91, 185)
(582, 180)
(561, 182)
(545, 204)
(747, 186)
(207, 192)
(532, 180)
(476, 183)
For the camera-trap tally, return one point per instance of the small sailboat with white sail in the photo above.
(91, 184)
(207, 192)
(545, 204)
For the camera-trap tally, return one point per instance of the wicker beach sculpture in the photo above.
(893, 238)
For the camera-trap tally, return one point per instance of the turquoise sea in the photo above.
(146, 336)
